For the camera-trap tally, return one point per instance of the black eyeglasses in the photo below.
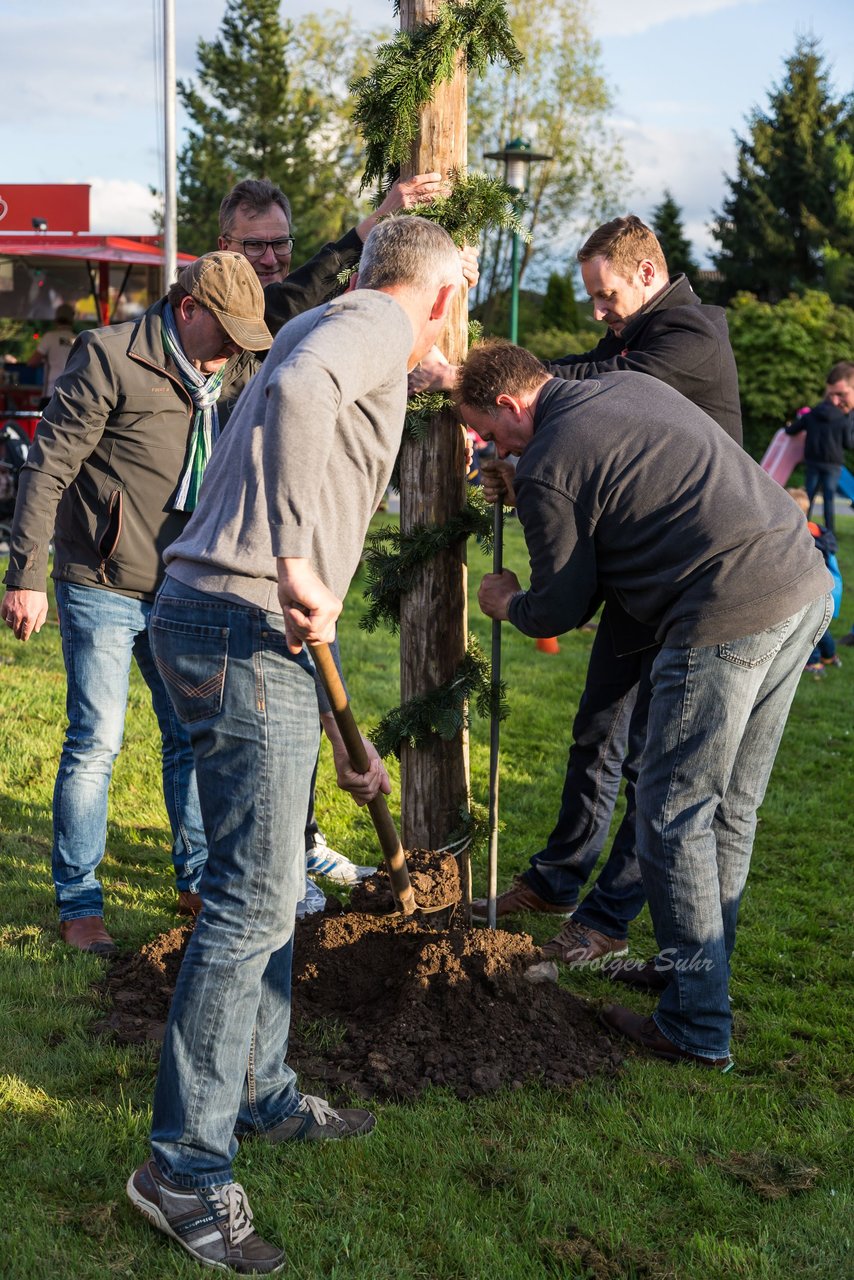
(283, 247)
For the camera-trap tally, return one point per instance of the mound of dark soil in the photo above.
(434, 877)
(139, 986)
(384, 1007)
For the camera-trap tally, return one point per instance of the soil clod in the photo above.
(434, 877)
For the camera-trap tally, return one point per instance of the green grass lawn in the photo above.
(663, 1172)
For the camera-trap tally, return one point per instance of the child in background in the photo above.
(824, 655)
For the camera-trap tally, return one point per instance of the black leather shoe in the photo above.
(644, 1032)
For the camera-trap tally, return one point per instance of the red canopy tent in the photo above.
(44, 232)
(39, 256)
(98, 253)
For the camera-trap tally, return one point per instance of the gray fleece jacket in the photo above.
(307, 455)
(627, 488)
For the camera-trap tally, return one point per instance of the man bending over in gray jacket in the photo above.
(625, 488)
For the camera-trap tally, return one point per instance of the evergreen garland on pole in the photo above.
(475, 202)
(443, 711)
(394, 558)
(388, 104)
(389, 99)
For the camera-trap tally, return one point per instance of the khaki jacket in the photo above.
(106, 462)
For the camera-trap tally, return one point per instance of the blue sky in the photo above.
(79, 89)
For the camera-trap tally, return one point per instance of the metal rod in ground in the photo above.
(494, 725)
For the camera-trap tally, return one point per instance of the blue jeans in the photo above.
(101, 632)
(826, 648)
(825, 478)
(250, 707)
(608, 737)
(716, 718)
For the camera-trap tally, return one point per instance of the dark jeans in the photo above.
(826, 479)
(826, 648)
(608, 738)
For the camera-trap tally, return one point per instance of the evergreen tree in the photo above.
(271, 101)
(839, 253)
(559, 309)
(781, 207)
(667, 225)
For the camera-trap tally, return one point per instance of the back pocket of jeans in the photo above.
(753, 651)
(192, 660)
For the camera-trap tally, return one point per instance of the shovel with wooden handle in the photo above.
(395, 859)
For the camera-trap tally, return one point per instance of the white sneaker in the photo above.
(314, 900)
(320, 860)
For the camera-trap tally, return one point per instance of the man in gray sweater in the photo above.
(625, 489)
(260, 571)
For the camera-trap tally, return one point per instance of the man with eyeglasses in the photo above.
(255, 219)
(112, 477)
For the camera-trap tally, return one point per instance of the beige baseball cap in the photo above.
(226, 285)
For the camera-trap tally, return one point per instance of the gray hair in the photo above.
(408, 250)
(256, 195)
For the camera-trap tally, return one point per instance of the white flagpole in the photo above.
(170, 206)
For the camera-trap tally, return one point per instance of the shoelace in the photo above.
(319, 1108)
(233, 1198)
(573, 934)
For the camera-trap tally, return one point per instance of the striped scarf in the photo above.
(204, 391)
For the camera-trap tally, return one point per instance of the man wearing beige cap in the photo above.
(112, 477)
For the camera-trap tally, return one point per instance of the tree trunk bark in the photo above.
(433, 629)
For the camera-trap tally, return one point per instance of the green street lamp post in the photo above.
(518, 156)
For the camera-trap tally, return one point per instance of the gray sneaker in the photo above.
(214, 1224)
(313, 902)
(315, 1120)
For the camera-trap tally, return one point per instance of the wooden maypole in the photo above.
(433, 619)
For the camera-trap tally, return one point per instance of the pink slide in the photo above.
(783, 455)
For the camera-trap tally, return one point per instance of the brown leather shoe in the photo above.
(519, 897)
(643, 1031)
(643, 975)
(87, 933)
(577, 945)
(189, 904)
